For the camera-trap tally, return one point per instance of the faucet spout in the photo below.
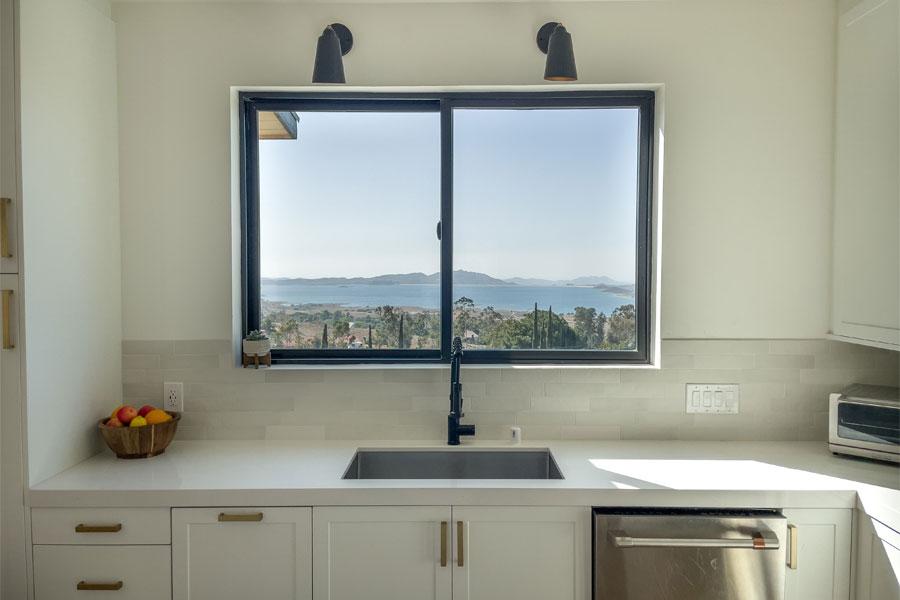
(454, 427)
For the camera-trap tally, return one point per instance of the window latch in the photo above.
(438, 230)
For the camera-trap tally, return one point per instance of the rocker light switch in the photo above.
(712, 398)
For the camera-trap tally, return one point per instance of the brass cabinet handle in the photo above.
(238, 518)
(99, 587)
(793, 533)
(4, 228)
(82, 528)
(443, 543)
(460, 545)
(7, 336)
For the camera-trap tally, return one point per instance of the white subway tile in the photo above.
(561, 403)
(784, 394)
(295, 432)
(724, 361)
(591, 432)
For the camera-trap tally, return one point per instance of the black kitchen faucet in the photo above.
(454, 428)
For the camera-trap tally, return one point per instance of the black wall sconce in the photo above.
(556, 43)
(335, 41)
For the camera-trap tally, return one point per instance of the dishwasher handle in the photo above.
(758, 541)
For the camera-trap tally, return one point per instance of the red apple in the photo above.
(126, 414)
(145, 409)
(113, 422)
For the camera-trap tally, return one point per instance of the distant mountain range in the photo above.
(582, 281)
(459, 277)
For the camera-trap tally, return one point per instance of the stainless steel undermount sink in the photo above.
(536, 463)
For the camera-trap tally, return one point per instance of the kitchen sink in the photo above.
(453, 464)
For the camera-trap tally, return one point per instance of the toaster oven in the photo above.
(864, 420)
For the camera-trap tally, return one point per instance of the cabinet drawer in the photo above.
(100, 526)
(139, 572)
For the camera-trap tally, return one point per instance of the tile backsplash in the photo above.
(784, 386)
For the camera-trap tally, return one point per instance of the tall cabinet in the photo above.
(12, 512)
(866, 292)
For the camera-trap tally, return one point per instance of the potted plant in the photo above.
(256, 345)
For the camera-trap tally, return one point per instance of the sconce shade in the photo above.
(334, 42)
(560, 64)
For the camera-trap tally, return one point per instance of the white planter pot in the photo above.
(256, 347)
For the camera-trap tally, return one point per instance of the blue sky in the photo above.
(537, 193)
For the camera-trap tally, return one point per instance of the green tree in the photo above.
(489, 318)
(463, 319)
(511, 333)
(341, 328)
(289, 331)
(622, 332)
(602, 320)
(519, 332)
(387, 329)
(586, 326)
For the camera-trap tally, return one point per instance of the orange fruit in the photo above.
(156, 416)
(138, 422)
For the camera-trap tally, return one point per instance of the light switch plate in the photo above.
(712, 398)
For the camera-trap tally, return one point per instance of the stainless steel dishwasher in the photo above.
(688, 554)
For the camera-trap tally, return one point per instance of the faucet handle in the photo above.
(456, 346)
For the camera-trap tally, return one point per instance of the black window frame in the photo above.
(251, 103)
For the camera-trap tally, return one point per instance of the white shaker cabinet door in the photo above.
(241, 553)
(12, 517)
(382, 553)
(866, 252)
(525, 553)
(9, 172)
(818, 554)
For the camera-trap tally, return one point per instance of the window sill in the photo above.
(444, 366)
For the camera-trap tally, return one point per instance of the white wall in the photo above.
(749, 88)
(72, 268)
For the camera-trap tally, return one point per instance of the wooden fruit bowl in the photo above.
(140, 442)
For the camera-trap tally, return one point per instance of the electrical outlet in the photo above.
(712, 398)
(173, 396)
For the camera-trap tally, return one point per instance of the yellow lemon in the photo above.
(157, 416)
(138, 422)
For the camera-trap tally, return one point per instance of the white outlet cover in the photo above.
(712, 398)
(173, 396)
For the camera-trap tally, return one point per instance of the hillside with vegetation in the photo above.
(392, 327)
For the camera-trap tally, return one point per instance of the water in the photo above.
(563, 299)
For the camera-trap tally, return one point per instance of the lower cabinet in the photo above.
(526, 553)
(394, 553)
(818, 554)
(877, 560)
(463, 553)
(241, 553)
(382, 552)
(121, 572)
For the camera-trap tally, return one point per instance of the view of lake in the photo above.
(521, 298)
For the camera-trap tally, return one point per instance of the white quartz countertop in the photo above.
(621, 473)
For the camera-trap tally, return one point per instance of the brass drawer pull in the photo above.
(82, 528)
(793, 534)
(238, 518)
(4, 228)
(460, 545)
(443, 543)
(99, 587)
(7, 336)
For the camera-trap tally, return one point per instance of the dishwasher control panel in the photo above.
(712, 398)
